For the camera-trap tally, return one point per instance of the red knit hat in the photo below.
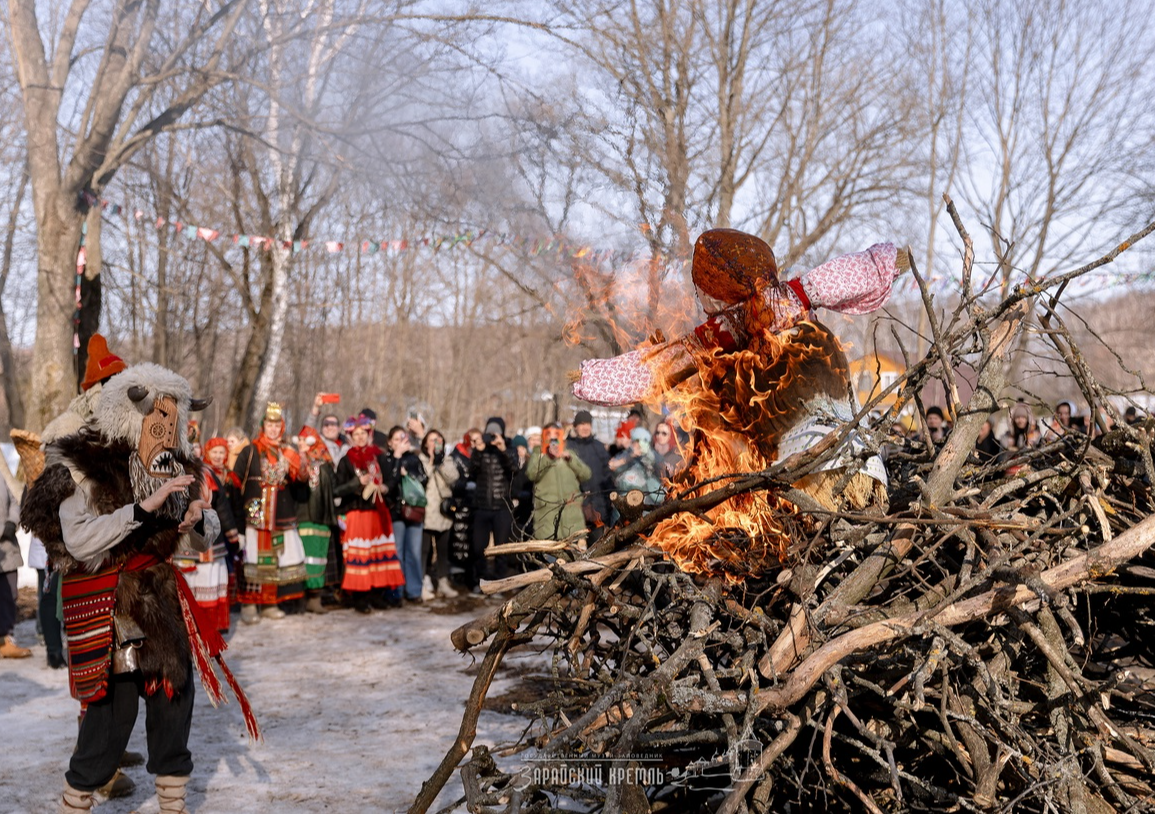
(215, 441)
(101, 363)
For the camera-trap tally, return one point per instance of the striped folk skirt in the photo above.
(210, 587)
(315, 539)
(274, 568)
(370, 555)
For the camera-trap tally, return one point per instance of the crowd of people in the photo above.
(343, 514)
(1022, 430)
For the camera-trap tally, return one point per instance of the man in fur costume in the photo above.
(116, 499)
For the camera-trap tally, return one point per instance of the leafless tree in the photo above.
(101, 58)
(1060, 100)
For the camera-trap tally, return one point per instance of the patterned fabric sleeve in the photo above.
(854, 283)
(614, 382)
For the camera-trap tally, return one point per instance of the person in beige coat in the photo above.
(10, 561)
(443, 473)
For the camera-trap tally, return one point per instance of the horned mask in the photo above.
(148, 406)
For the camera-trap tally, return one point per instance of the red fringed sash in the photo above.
(89, 602)
(205, 641)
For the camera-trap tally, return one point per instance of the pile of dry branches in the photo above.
(983, 646)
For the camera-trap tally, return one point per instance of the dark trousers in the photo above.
(435, 554)
(7, 603)
(107, 725)
(50, 628)
(499, 523)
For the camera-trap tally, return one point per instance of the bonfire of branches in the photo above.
(985, 645)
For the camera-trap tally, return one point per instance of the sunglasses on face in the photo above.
(330, 424)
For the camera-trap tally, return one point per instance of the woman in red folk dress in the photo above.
(371, 562)
(226, 502)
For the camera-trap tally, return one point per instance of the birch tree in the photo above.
(298, 110)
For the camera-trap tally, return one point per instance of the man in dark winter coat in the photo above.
(491, 468)
(594, 454)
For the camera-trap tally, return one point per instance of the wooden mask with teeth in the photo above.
(159, 438)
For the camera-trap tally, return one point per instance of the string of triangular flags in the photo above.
(534, 246)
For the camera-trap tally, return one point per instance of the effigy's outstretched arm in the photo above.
(855, 283)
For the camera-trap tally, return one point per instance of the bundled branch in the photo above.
(987, 644)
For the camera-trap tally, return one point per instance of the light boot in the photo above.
(73, 800)
(313, 603)
(272, 612)
(427, 589)
(249, 615)
(170, 793)
(10, 650)
(445, 588)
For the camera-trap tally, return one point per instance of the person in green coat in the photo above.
(557, 496)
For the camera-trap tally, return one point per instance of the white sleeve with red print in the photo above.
(624, 379)
(853, 283)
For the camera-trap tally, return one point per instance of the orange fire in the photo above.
(737, 409)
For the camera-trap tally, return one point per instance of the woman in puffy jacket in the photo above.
(636, 467)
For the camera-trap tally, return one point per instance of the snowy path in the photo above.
(356, 712)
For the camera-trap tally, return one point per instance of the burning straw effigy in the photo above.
(974, 641)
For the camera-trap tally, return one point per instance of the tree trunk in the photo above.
(53, 372)
(90, 290)
(275, 333)
(242, 401)
(11, 391)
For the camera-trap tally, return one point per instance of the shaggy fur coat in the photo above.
(148, 596)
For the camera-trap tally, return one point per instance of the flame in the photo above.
(628, 303)
(738, 407)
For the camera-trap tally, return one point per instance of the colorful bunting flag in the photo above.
(334, 247)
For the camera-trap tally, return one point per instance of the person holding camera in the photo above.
(491, 468)
(557, 475)
(636, 468)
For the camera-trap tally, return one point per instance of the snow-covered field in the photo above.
(356, 712)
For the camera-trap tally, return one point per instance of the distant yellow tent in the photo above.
(872, 374)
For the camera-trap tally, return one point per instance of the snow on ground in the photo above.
(356, 712)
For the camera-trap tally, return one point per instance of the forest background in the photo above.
(444, 207)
